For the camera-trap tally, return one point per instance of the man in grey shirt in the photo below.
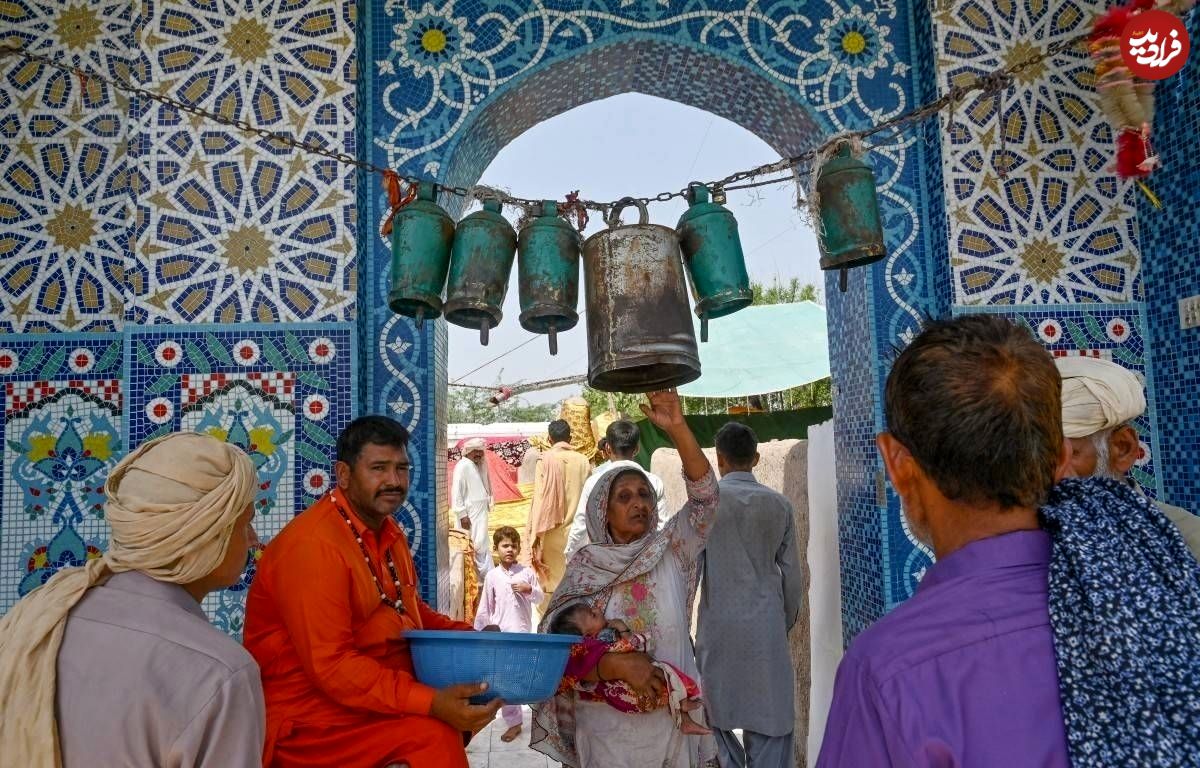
(115, 659)
(753, 585)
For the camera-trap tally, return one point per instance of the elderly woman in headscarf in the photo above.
(113, 662)
(646, 578)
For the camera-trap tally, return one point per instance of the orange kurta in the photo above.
(336, 673)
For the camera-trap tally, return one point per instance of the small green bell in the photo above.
(421, 237)
(712, 253)
(851, 233)
(485, 245)
(548, 274)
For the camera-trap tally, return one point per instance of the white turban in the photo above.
(474, 444)
(172, 505)
(1097, 395)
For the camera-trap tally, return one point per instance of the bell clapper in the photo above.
(483, 332)
(843, 276)
(553, 334)
(420, 317)
(704, 329)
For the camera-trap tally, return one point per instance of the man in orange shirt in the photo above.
(333, 593)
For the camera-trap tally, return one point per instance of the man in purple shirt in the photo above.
(964, 673)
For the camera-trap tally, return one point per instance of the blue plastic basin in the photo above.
(519, 668)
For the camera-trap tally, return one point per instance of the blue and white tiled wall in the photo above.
(236, 262)
(1171, 245)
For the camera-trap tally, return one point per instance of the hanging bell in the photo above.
(548, 273)
(485, 245)
(640, 335)
(712, 253)
(851, 232)
(421, 236)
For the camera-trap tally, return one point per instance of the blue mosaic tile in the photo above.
(283, 393)
(61, 422)
(1170, 238)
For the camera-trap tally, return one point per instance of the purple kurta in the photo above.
(963, 674)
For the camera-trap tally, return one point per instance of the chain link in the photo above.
(994, 82)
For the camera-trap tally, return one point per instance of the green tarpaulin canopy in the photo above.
(762, 349)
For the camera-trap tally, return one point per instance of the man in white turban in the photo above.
(1100, 400)
(114, 663)
(471, 500)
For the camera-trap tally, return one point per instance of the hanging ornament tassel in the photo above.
(397, 199)
(1149, 193)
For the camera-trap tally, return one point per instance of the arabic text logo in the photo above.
(1155, 45)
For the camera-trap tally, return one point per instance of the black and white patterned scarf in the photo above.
(1125, 610)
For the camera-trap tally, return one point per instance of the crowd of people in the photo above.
(1059, 626)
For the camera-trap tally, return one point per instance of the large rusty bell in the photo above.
(712, 253)
(548, 273)
(421, 237)
(851, 232)
(640, 335)
(485, 245)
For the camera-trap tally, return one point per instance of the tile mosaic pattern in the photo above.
(1171, 242)
(453, 82)
(281, 392)
(61, 415)
(63, 198)
(230, 228)
(1036, 215)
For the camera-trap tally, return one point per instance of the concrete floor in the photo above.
(487, 751)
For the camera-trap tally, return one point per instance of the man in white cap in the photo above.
(471, 500)
(114, 663)
(1100, 400)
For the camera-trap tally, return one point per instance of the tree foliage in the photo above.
(472, 406)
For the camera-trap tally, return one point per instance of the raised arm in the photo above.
(690, 534)
(666, 412)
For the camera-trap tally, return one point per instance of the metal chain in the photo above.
(995, 82)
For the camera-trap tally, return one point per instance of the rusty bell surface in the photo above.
(640, 335)
(485, 245)
(548, 274)
(421, 237)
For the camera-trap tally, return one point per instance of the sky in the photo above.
(639, 146)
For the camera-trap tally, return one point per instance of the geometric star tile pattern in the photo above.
(63, 232)
(229, 227)
(1036, 214)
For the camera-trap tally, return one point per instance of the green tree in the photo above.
(469, 405)
(626, 404)
(779, 293)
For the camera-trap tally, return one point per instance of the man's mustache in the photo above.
(386, 491)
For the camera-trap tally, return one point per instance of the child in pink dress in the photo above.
(682, 694)
(509, 594)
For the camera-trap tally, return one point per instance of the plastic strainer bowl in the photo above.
(519, 668)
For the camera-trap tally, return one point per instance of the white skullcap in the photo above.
(1097, 395)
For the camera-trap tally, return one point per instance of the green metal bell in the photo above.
(421, 237)
(548, 273)
(712, 253)
(851, 232)
(485, 245)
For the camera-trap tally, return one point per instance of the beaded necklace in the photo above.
(397, 604)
